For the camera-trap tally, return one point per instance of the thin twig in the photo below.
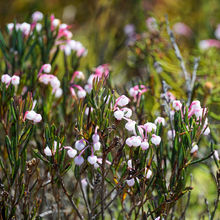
(70, 199)
(195, 68)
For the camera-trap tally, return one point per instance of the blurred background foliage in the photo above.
(99, 25)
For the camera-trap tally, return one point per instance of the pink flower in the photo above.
(37, 16)
(182, 29)
(206, 44)
(160, 120)
(177, 105)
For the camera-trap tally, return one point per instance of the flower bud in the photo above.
(48, 151)
(155, 139)
(81, 94)
(130, 125)
(97, 146)
(80, 144)
(71, 152)
(122, 101)
(149, 173)
(46, 68)
(130, 182)
(160, 120)
(194, 148)
(95, 138)
(6, 79)
(144, 145)
(37, 118)
(177, 105)
(118, 114)
(30, 115)
(15, 80)
(78, 160)
(92, 159)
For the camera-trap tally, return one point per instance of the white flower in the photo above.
(95, 138)
(159, 120)
(38, 27)
(15, 80)
(25, 28)
(216, 155)
(144, 145)
(79, 75)
(130, 182)
(56, 22)
(136, 141)
(122, 101)
(149, 173)
(6, 79)
(81, 94)
(58, 93)
(46, 68)
(30, 115)
(155, 139)
(71, 152)
(127, 112)
(92, 159)
(177, 105)
(78, 160)
(130, 163)
(129, 142)
(133, 92)
(10, 27)
(55, 82)
(119, 114)
(194, 148)
(130, 125)
(80, 144)
(217, 32)
(48, 151)
(37, 118)
(150, 127)
(37, 16)
(97, 146)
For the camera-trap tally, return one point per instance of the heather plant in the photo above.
(75, 146)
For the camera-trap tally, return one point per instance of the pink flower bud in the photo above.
(58, 92)
(177, 105)
(55, 82)
(136, 141)
(160, 120)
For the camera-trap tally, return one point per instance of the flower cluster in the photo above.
(14, 80)
(50, 79)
